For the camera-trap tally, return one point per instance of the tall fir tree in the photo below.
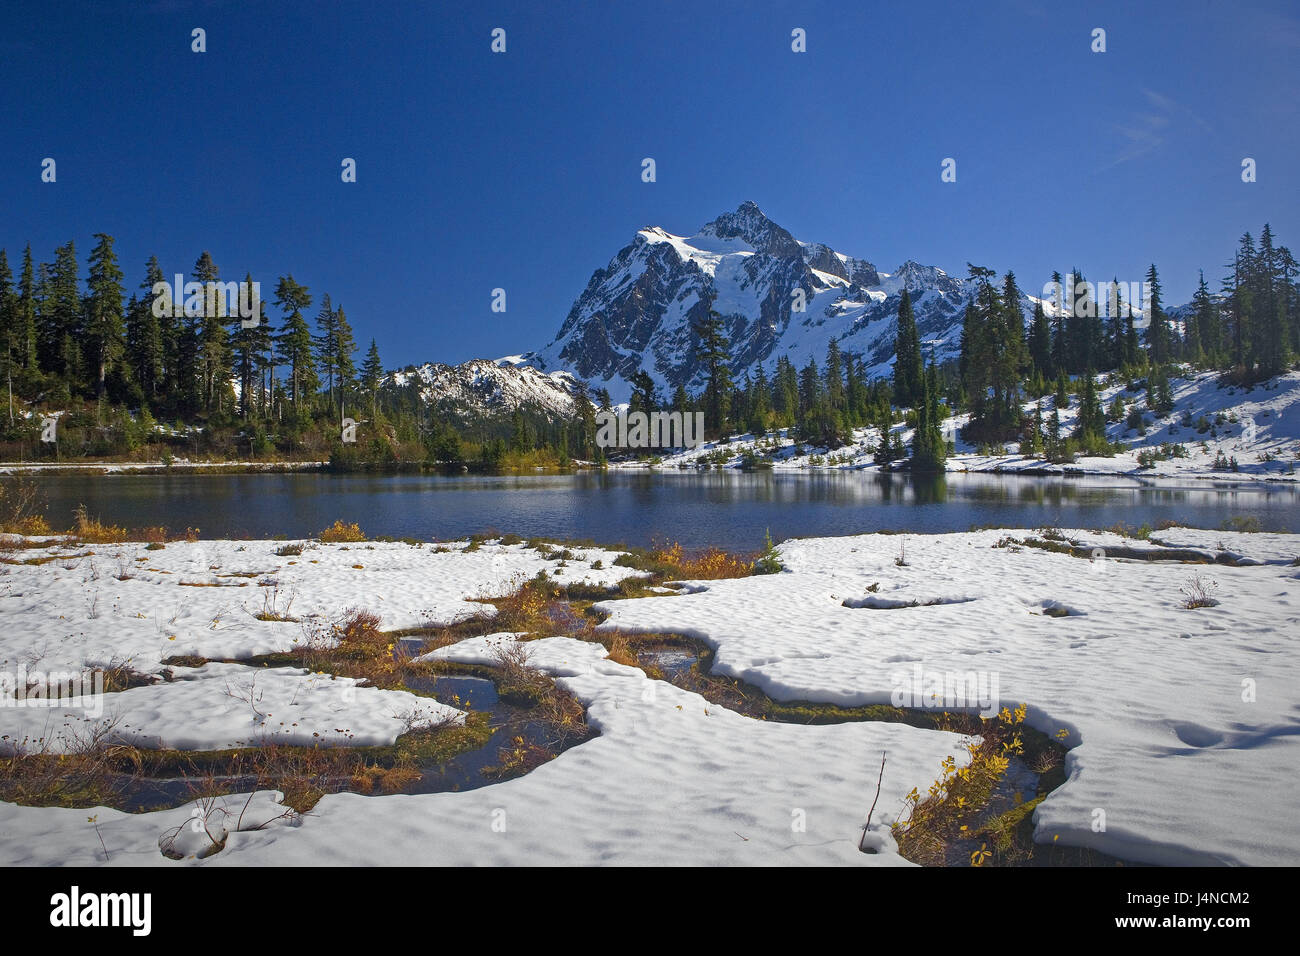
(1208, 327)
(105, 322)
(8, 329)
(1040, 342)
(294, 341)
(212, 337)
(712, 353)
(1159, 343)
(372, 376)
(345, 346)
(25, 319)
(907, 355)
(248, 344)
(146, 345)
(60, 331)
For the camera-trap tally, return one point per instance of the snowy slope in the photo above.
(482, 387)
(1213, 423)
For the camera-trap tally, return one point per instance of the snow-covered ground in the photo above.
(1258, 427)
(98, 606)
(1182, 723)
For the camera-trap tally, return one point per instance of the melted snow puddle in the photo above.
(687, 663)
(512, 725)
(516, 725)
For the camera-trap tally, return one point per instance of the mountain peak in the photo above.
(748, 223)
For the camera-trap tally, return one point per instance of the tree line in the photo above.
(1250, 330)
(286, 381)
(60, 345)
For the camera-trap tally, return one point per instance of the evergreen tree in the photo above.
(712, 354)
(855, 391)
(1090, 430)
(1206, 318)
(929, 448)
(345, 346)
(785, 392)
(1014, 354)
(810, 388)
(249, 344)
(212, 336)
(907, 355)
(1160, 398)
(105, 328)
(1036, 434)
(760, 407)
(1060, 347)
(1040, 342)
(1159, 345)
(59, 331)
(25, 319)
(1272, 300)
(1062, 391)
(294, 340)
(1053, 446)
(834, 378)
(643, 392)
(1113, 351)
(325, 343)
(372, 376)
(8, 328)
(146, 347)
(992, 346)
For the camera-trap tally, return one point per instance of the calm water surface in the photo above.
(729, 509)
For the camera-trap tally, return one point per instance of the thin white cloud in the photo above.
(1147, 131)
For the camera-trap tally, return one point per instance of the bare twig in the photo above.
(873, 802)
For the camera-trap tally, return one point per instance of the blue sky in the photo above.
(522, 170)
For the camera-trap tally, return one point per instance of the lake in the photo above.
(729, 509)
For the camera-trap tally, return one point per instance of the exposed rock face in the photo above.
(638, 311)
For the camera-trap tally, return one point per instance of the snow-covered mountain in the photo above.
(485, 388)
(638, 311)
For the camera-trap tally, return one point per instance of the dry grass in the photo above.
(88, 530)
(271, 610)
(339, 531)
(709, 564)
(22, 507)
(524, 685)
(619, 650)
(529, 607)
(85, 773)
(1199, 592)
(352, 646)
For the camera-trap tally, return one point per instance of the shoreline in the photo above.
(1007, 467)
